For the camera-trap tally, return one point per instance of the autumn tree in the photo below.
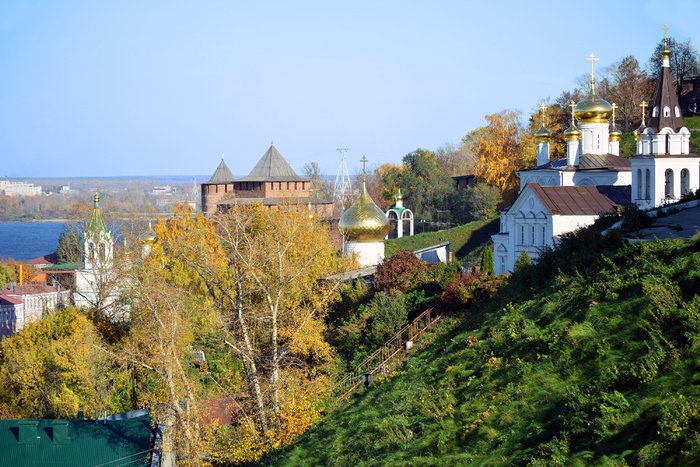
(56, 367)
(557, 118)
(625, 84)
(319, 186)
(257, 268)
(427, 189)
(683, 61)
(159, 347)
(456, 160)
(503, 148)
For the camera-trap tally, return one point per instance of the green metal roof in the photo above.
(97, 223)
(75, 443)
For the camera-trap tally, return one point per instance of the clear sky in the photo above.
(108, 88)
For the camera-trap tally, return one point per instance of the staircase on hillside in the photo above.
(400, 342)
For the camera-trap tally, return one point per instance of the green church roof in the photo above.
(97, 222)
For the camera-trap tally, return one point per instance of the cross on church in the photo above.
(572, 104)
(665, 28)
(614, 106)
(364, 166)
(644, 106)
(542, 110)
(591, 58)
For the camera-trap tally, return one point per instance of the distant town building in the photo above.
(10, 188)
(464, 181)
(21, 304)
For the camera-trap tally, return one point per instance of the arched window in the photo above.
(655, 112)
(648, 185)
(667, 111)
(639, 183)
(668, 186)
(685, 182)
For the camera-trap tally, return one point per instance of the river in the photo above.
(28, 240)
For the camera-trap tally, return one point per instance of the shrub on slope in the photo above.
(589, 357)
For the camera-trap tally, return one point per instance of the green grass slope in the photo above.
(468, 239)
(591, 357)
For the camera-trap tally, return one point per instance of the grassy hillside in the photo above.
(591, 357)
(469, 239)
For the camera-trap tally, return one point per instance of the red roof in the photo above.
(46, 259)
(8, 300)
(581, 200)
(28, 289)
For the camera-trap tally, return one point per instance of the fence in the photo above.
(402, 341)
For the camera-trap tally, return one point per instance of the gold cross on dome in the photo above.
(614, 106)
(591, 58)
(543, 108)
(364, 165)
(665, 28)
(572, 104)
(644, 106)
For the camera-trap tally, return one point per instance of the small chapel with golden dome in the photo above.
(364, 227)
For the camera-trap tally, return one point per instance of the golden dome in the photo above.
(364, 221)
(615, 134)
(572, 133)
(593, 109)
(543, 134)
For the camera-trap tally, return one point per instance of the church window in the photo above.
(532, 235)
(648, 185)
(522, 235)
(639, 183)
(655, 112)
(678, 111)
(667, 139)
(543, 235)
(667, 111)
(668, 186)
(685, 182)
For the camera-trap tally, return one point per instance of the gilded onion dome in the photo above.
(364, 221)
(593, 109)
(572, 133)
(615, 133)
(543, 134)
(149, 236)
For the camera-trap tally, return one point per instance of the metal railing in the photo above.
(401, 341)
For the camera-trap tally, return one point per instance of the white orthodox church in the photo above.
(562, 195)
(96, 285)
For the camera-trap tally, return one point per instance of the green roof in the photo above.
(97, 223)
(75, 443)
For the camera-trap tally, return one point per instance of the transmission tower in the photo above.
(342, 190)
(194, 196)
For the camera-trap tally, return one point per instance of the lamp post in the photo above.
(365, 378)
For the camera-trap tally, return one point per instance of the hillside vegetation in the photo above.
(590, 357)
(468, 239)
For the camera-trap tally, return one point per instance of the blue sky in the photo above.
(114, 88)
